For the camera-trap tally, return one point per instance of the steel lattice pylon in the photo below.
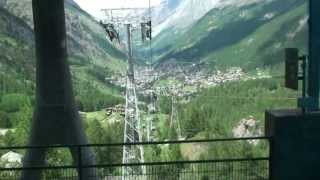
(132, 132)
(151, 116)
(132, 125)
(132, 128)
(174, 120)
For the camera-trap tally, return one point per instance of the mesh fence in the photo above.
(224, 167)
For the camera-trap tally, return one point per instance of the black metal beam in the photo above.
(56, 118)
(314, 53)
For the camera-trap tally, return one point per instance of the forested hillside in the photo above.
(247, 36)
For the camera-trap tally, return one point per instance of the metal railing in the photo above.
(225, 168)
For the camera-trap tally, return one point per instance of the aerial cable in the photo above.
(150, 42)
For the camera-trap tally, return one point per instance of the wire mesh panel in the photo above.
(10, 174)
(238, 169)
(48, 173)
(60, 174)
(212, 165)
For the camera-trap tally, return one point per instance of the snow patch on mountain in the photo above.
(239, 3)
(302, 23)
(268, 16)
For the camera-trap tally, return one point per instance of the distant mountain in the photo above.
(245, 33)
(86, 37)
(173, 3)
(72, 2)
(162, 12)
(186, 12)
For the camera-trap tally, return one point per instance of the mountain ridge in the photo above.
(216, 30)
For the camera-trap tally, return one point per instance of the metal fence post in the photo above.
(80, 163)
(271, 144)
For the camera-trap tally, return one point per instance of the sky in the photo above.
(94, 7)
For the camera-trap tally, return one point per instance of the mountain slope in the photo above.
(187, 12)
(223, 28)
(91, 56)
(265, 46)
(17, 50)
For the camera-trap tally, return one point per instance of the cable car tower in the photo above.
(173, 93)
(151, 116)
(174, 120)
(132, 18)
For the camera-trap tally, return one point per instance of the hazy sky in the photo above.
(94, 6)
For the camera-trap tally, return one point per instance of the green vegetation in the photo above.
(217, 111)
(90, 97)
(4, 120)
(13, 102)
(223, 38)
(111, 133)
(264, 47)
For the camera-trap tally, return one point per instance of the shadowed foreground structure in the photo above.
(295, 133)
(56, 118)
